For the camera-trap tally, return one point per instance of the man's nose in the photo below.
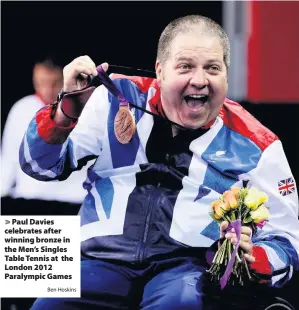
(199, 79)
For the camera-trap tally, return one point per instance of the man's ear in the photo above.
(158, 68)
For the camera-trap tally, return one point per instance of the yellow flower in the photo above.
(260, 214)
(215, 203)
(230, 198)
(219, 212)
(225, 206)
(236, 191)
(254, 198)
(263, 197)
(220, 208)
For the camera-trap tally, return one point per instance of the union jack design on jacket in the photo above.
(151, 198)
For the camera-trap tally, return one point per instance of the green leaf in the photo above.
(245, 213)
(247, 220)
(233, 217)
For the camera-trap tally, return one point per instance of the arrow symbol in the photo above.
(7, 222)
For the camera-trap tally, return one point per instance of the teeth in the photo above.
(197, 96)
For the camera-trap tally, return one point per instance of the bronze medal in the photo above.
(124, 125)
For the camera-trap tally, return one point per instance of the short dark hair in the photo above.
(182, 24)
(49, 62)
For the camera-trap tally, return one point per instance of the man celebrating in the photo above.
(145, 219)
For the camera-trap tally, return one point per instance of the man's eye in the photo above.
(214, 68)
(184, 67)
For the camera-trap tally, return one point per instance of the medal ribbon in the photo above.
(107, 82)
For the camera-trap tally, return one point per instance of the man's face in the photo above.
(47, 82)
(193, 80)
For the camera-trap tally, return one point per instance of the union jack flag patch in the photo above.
(286, 186)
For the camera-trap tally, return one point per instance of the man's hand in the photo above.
(245, 239)
(75, 76)
(75, 73)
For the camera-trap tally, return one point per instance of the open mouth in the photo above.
(196, 101)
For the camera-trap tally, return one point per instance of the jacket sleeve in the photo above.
(276, 245)
(11, 138)
(49, 152)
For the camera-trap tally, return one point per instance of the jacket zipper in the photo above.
(152, 200)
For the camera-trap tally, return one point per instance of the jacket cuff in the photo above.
(72, 103)
(48, 130)
(261, 264)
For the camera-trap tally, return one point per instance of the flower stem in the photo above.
(246, 267)
(238, 257)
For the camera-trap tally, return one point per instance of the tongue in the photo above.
(194, 103)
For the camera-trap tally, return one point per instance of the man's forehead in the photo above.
(196, 39)
(188, 45)
(183, 52)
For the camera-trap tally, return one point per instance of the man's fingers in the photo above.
(245, 239)
(105, 66)
(249, 258)
(223, 228)
(233, 237)
(78, 70)
(246, 246)
(87, 62)
(83, 70)
(246, 230)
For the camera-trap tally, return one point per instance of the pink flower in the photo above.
(261, 224)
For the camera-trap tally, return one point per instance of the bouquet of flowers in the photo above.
(237, 206)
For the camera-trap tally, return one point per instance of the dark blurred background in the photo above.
(126, 33)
